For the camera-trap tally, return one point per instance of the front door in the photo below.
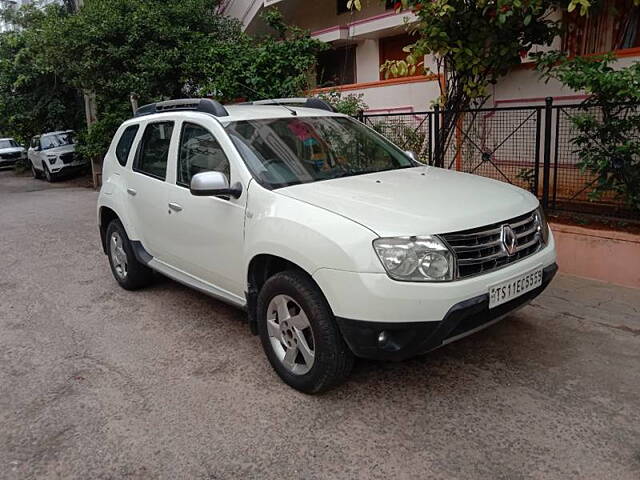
(205, 233)
(34, 153)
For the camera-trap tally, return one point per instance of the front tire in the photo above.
(126, 269)
(299, 333)
(34, 172)
(47, 173)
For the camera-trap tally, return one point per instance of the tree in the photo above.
(161, 49)
(33, 97)
(473, 44)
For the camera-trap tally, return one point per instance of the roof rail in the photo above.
(205, 105)
(308, 102)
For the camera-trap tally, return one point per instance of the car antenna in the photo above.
(275, 101)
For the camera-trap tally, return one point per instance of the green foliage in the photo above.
(406, 136)
(528, 177)
(608, 128)
(475, 43)
(33, 97)
(158, 49)
(472, 45)
(351, 104)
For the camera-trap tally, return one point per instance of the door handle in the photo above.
(132, 192)
(175, 207)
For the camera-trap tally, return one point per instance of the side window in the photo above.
(199, 152)
(124, 144)
(153, 151)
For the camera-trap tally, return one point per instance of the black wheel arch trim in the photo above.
(140, 252)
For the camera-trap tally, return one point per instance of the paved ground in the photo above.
(96, 382)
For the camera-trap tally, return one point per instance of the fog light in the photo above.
(383, 336)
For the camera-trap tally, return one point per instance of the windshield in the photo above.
(54, 140)
(8, 144)
(288, 151)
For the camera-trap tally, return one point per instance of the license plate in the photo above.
(513, 288)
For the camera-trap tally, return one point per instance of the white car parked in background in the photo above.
(54, 154)
(336, 242)
(10, 152)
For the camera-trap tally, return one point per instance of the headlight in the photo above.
(52, 159)
(543, 226)
(418, 259)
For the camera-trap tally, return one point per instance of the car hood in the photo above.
(416, 201)
(12, 150)
(59, 150)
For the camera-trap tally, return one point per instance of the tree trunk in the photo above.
(91, 115)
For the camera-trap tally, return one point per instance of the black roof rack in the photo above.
(308, 102)
(197, 104)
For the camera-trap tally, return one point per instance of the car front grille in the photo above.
(68, 157)
(10, 156)
(481, 250)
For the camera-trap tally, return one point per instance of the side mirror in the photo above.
(411, 154)
(213, 184)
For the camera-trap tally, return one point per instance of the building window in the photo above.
(391, 49)
(614, 27)
(337, 67)
(342, 6)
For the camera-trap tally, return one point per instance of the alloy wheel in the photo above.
(290, 334)
(118, 255)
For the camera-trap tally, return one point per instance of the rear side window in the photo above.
(124, 145)
(153, 151)
(199, 152)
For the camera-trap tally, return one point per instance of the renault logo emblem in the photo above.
(509, 240)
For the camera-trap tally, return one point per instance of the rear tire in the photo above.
(126, 269)
(299, 333)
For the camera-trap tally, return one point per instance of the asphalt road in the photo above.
(96, 382)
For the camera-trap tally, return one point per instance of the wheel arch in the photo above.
(106, 215)
(261, 267)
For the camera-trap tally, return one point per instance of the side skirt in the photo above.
(197, 284)
(186, 279)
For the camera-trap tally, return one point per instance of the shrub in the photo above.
(608, 138)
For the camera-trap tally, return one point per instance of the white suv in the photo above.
(10, 152)
(54, 154)
(336, 242)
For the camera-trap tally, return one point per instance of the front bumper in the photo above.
(408, 339)
(8, 162)
(60, 168)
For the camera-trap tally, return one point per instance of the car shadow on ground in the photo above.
(502, 351)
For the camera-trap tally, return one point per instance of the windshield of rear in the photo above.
(288, 151)
(8, 144)
(54, 140)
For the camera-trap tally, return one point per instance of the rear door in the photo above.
(146, 188)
